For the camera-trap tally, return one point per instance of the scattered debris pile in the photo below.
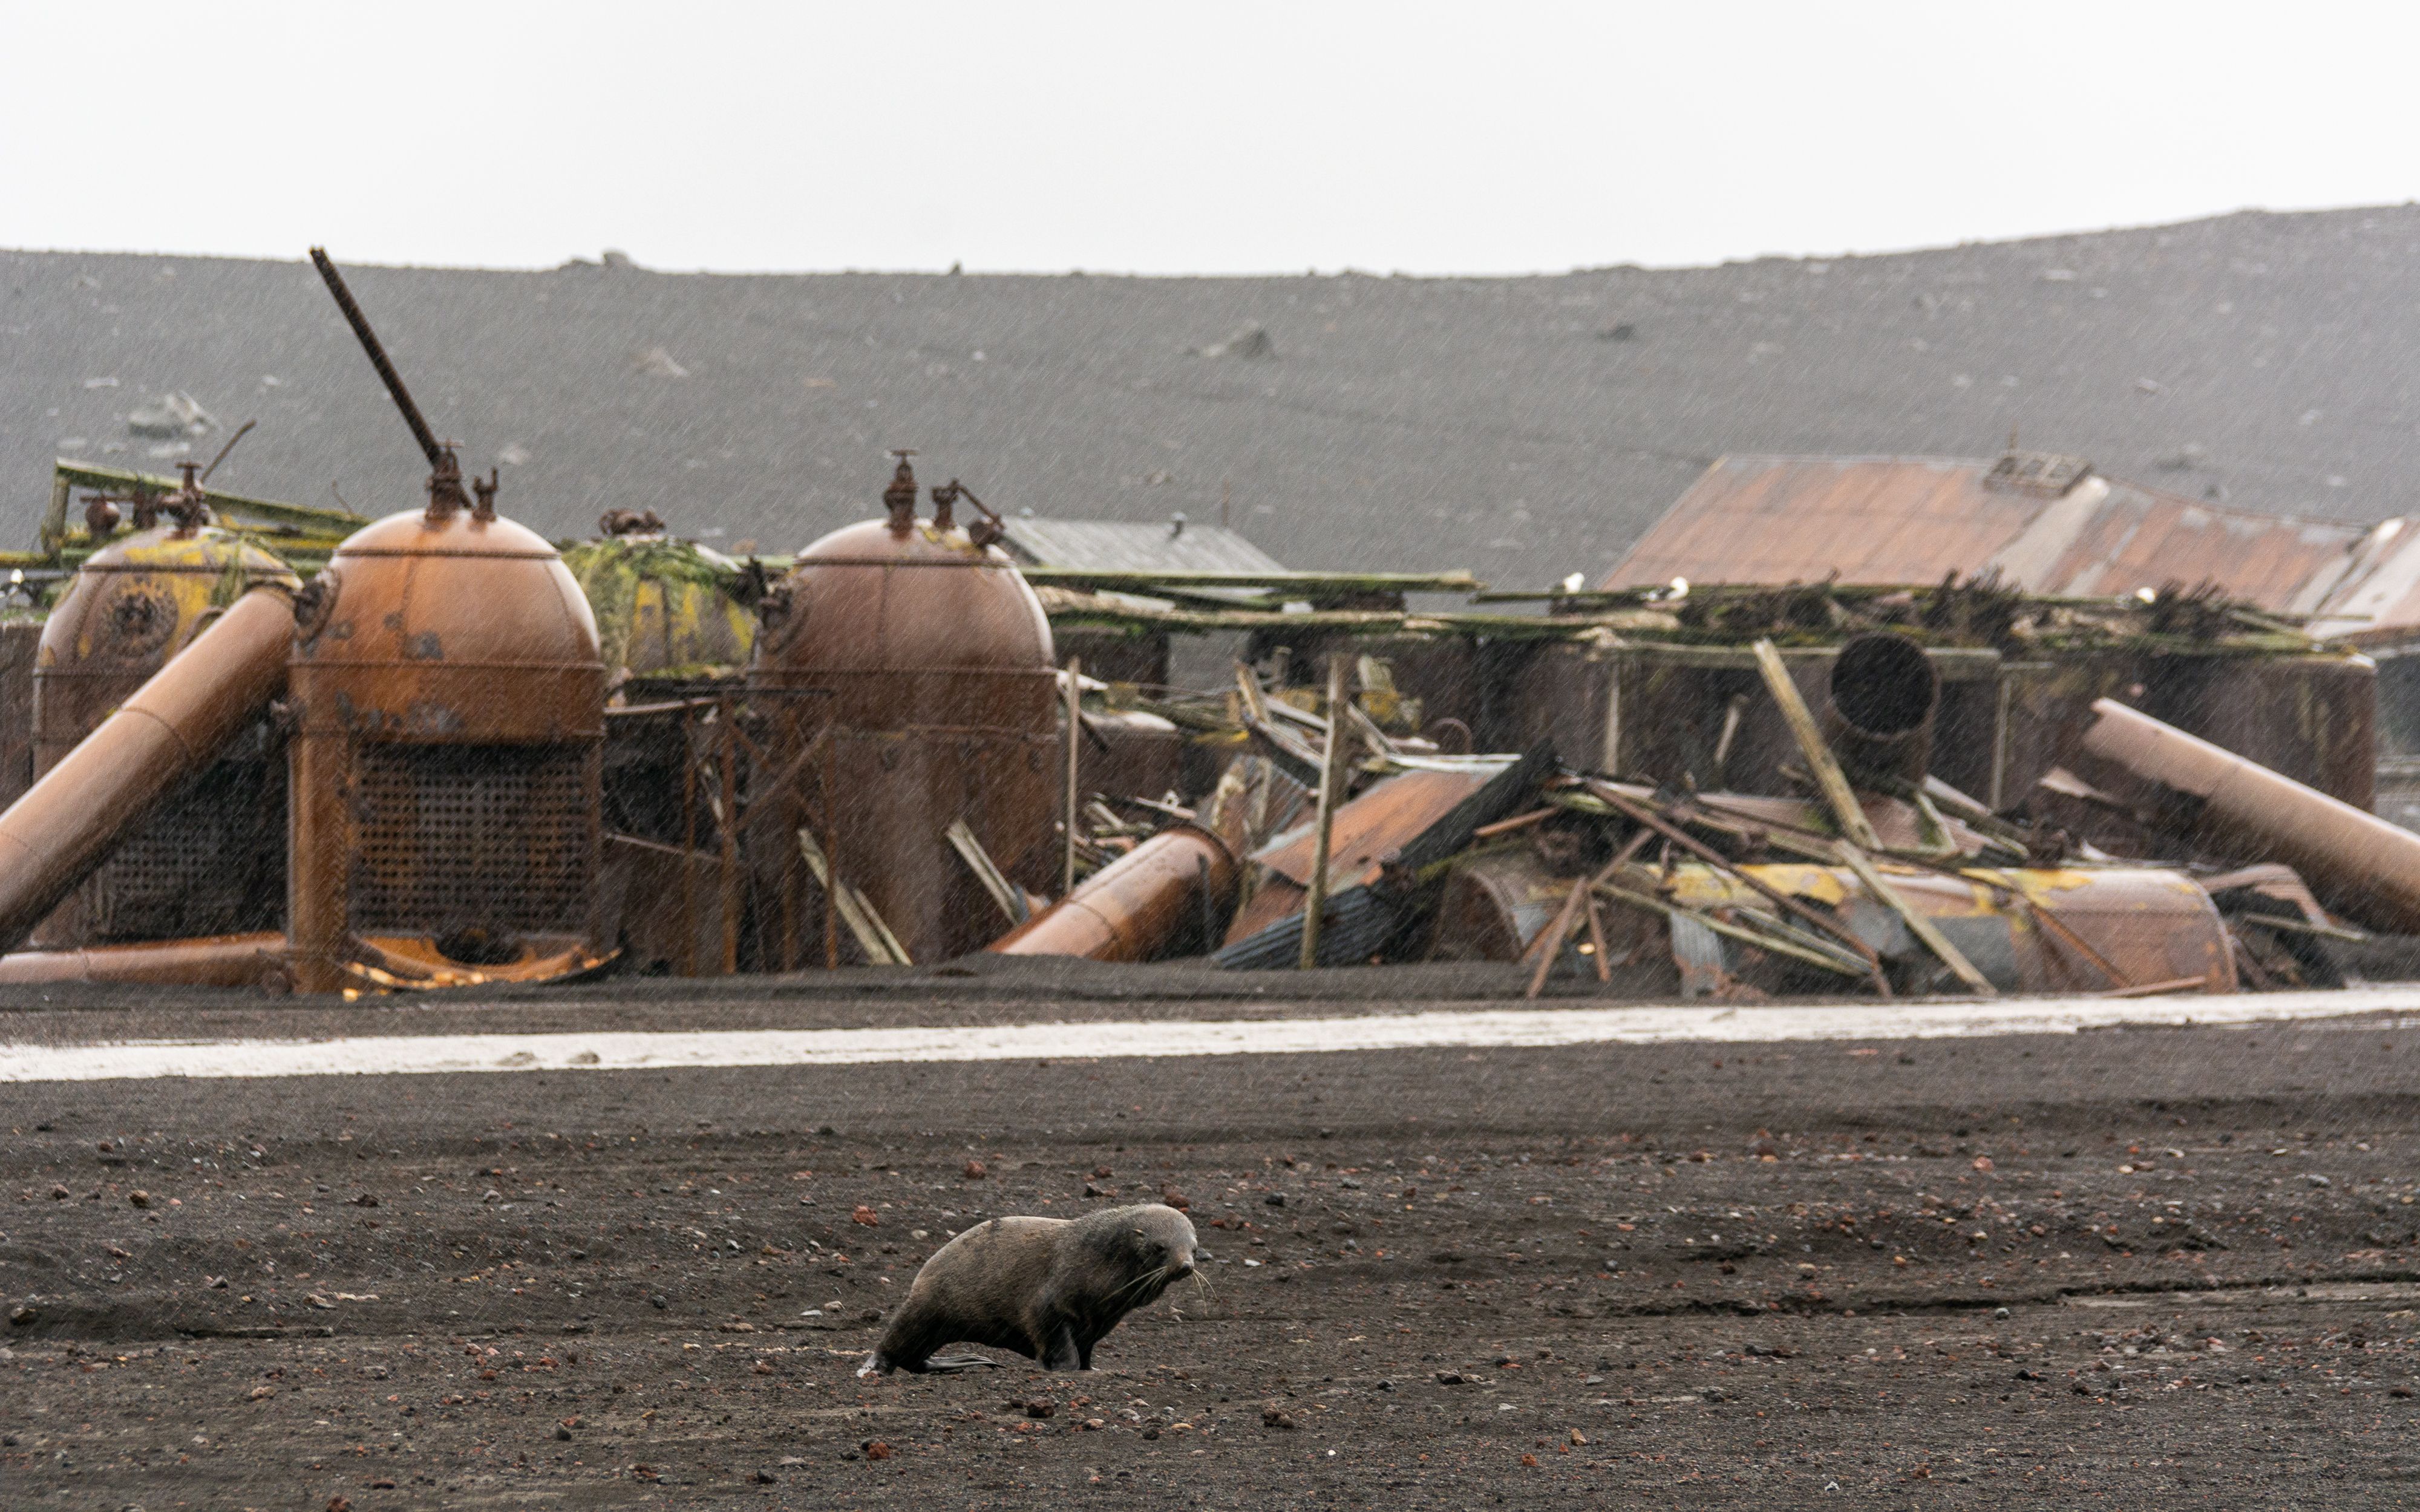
(1349, 844)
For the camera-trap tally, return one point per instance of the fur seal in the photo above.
(1049, 1288)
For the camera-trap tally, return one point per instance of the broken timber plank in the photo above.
(853, 908)
(1010, 898)
(1802, 728)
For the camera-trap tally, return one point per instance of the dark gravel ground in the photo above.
(2142, 1268)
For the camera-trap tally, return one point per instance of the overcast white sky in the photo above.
(1225, 138)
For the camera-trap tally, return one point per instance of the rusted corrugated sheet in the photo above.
(1775, 519)
(2135, 537)
(1870, 519)
(1412, 818)
(2376, 599)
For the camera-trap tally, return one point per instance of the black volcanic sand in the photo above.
(2152, 1267)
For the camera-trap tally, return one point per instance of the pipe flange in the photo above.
(314, 603)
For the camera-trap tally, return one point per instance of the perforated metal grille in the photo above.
(461, 837)
(211, 861)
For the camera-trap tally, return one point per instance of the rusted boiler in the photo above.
(448, 705)
(85, 807)
(447, 699)
(903, 676)
(208, 860)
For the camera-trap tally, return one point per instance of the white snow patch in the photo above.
(1505, 1028)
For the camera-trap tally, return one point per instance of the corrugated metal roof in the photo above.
(1397, 816)
(1121, 545)
(2136, 537)
(2376, 599)
(1866, 519)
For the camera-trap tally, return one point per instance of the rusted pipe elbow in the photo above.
(1884, 693)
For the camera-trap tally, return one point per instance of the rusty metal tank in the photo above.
(666, 608)
(917, 654)
(208, 860)
(2149, 928)
(448, 708)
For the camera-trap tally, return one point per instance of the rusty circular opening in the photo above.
(1884, 685)
(476, 946)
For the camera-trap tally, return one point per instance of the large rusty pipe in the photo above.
(214, 961)
(1884, 693)
(82, 809)
(1130, 908)
(2358, 864)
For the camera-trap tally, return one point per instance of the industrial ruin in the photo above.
(1885, 727)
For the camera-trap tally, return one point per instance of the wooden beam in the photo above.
(1921, 927)
(1331, 784)
(1597, 936)
(851, 905)
(1549, 941)
(1371, 735)
(1648, 820)
(1004, 892)
(1312, 586)
(1844, 964)
(1828, 776)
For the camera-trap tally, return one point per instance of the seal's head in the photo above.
(1150, 1247)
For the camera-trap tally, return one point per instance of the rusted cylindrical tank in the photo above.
(448, 709)
(208, 860)
(169, 728)
(928, 659)
(2151, 927)
(2358, 864)
(1179, 882)
(664, 608)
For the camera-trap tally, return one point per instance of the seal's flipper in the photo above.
(942, 1365)
(875, 1366)
(1063, 1354)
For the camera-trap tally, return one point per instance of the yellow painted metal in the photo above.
(2153, 923)
(664, 608)
(304, 519)
(195, 571)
